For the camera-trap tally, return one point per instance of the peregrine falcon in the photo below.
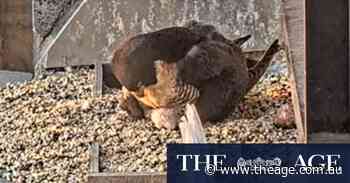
(191, 64)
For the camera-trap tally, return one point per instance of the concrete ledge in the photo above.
(3, 181)
(13, 77)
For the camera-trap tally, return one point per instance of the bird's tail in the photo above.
(258, 70)
(235, 42)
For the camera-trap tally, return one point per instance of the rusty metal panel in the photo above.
(91, 35)
(327, 65)
(16, 37)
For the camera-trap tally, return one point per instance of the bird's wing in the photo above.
(207, 60)
(210, 32)
(258, 70)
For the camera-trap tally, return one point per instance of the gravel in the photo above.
(47, 125)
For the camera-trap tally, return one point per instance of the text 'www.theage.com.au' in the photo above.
(215, 165)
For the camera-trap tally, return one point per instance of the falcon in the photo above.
(192, 64)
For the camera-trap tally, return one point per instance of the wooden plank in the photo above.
(16, 36)
(159, 178)
(98, 80)
(94, 154)
(191, 126)
(349, 58)
(106, 178)
(293, 22)
(327, 63)
(127, 178)
(330, 138)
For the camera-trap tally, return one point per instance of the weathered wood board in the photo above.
(98, 88)
(331, 138)
(97, 26)
(95, 176)
(294, 37)
(94, 155)
(16, 36)
(327, 63)
(127, 178)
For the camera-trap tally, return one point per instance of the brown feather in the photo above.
(175, 66)
(258, 70)
(133, 62)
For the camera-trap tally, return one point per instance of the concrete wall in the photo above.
(16, 37)
(100, 25)
(48, 14)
